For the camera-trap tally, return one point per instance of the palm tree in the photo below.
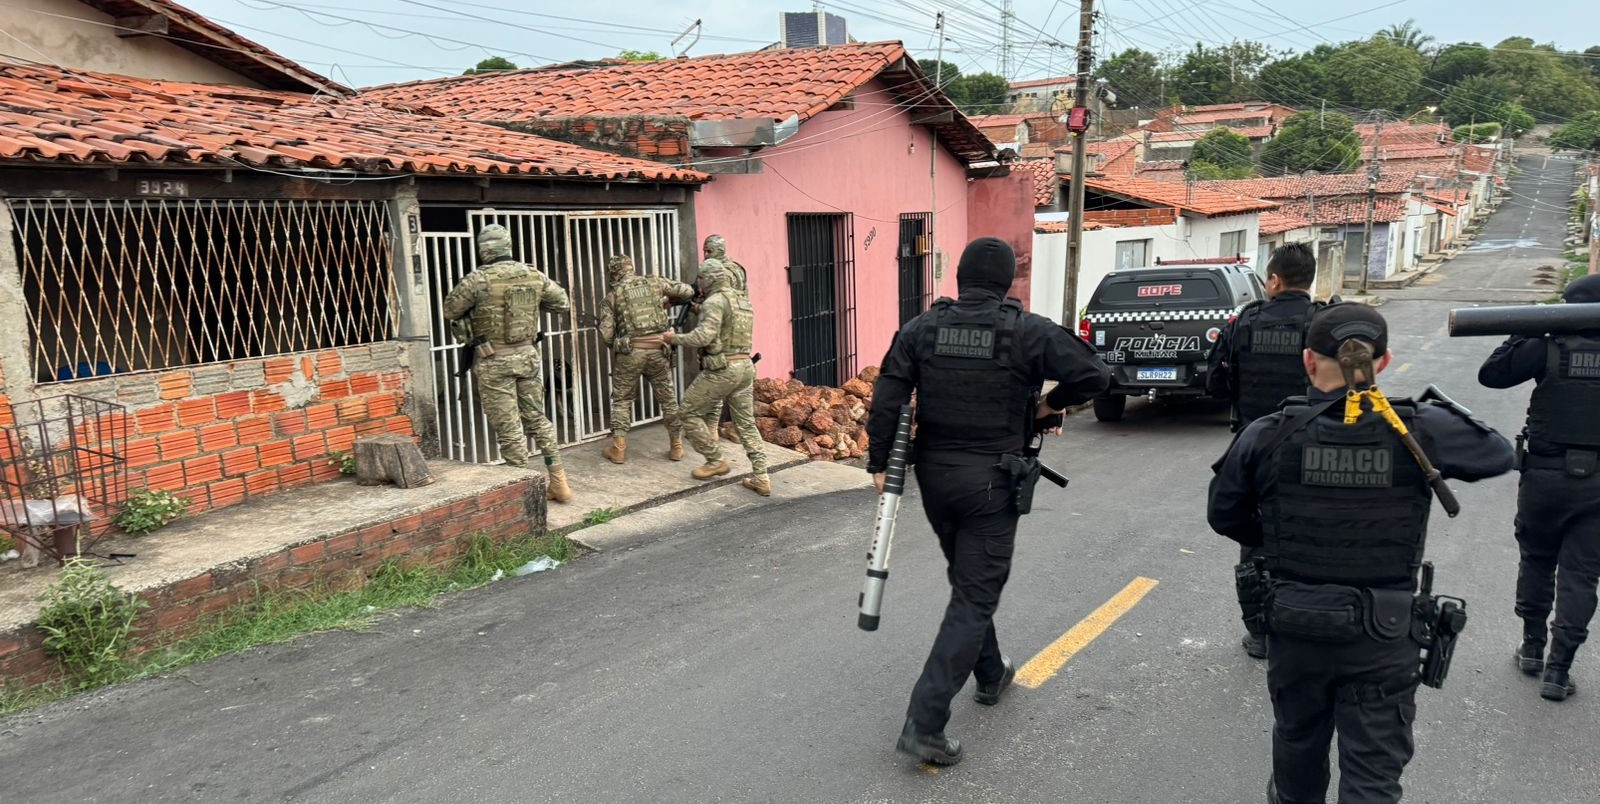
(1407, 33)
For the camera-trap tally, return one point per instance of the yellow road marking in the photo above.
(1044, 666)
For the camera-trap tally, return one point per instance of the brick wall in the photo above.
(432, 536)
(663, 139)
(220, 434)
(1158, 216)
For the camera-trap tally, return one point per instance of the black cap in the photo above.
(1337, 323)
(1583, 290)
(988, 263)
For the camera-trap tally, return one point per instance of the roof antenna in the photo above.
(695, 29)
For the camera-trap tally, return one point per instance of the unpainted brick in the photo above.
(195, 412)
(176, 385)
(179, 444)
(139, 392)
(249, 375)
(212, 380)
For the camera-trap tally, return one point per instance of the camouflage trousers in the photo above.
(702, 408)
(655, 366)
(511, 389)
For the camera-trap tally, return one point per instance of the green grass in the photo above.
(600, 516)
(281, 616)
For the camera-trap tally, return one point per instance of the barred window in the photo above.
(140, 284)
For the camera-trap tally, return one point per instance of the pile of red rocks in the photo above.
(825, 424)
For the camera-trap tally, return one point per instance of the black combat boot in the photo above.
(1255, 645)
(1557, 686)
(989, 694)
(935, 749)
(1530, 657)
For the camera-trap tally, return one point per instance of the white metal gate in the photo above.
(571, 247)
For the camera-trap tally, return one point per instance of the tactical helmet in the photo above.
(619, 267)
(712, 277)
(715, 246)
(494, 242)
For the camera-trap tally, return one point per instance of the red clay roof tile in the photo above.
(178, 123)
(1045, 180)
(1199, 200)
(772, 84)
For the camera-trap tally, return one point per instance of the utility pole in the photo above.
(933, 162)
(1080, 155)
(1005, 40)
(1372, 204)
(1593, 234)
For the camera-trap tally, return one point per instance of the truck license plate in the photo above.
(1156, 374)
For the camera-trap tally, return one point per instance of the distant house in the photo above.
(821, 158)
(1232, 115)
(1130, 223)
(1405, 227)
(1178, 146)
(1054, 96)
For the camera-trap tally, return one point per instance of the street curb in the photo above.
(671, 497)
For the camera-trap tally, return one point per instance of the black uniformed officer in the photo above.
(974, 364)
(1340, 513)
(1257, 361)
(1558, 501)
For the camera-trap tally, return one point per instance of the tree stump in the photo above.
(390, 458)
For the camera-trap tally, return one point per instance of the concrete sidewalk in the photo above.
(648, 479)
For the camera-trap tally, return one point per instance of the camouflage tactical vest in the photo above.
(510, 313)
(638, 306)
(738, 326)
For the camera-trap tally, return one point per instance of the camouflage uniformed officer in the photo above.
(497, 307)
(632, 318)
(715, 250)
(724, 336)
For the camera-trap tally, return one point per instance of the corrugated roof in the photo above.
(772, 84)
(52, 115)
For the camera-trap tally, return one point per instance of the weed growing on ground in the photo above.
(146, 510)
(600, 516)
(345, 461)
(87, 621)
(282, 616)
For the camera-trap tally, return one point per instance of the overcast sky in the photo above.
(364, 42)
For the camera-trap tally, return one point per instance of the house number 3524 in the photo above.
(165, 189)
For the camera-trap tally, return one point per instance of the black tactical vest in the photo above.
(971, 391)
(1565, 409)
(1269, 357)
(1346, 504)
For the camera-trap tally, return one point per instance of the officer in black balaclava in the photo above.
(975, 364)
(1558, 501)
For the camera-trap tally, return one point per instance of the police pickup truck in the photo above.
(1154, 326)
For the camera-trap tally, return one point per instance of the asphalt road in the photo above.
(721, 663)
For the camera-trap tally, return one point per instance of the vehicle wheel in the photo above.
(1110, 408)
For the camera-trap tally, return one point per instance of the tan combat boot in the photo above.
(675, 450)
(711, 469)
(618, 451)
(559, 491)
(759, 483)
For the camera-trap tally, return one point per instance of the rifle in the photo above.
(467, 355)
(894, 482)
(1026, 469)
(1036, 433)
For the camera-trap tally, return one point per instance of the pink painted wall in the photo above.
(1003, 207)
(859, 161)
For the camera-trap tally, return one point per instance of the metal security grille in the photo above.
(916, 270)
(141, 284)
(571, 247)
(822, 297)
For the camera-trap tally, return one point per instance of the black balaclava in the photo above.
(1583, 290)
(986, 269)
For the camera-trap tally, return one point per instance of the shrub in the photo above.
(87, 621)
(146, 510)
